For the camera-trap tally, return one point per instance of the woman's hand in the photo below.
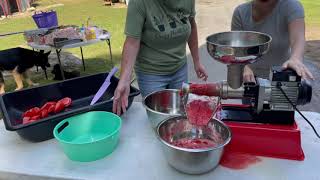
(248, 75)
(121, 94)
(297, 43)
(299, 67)
(200, 71)
(193, 46)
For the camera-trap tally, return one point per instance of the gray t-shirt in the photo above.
(276, 25)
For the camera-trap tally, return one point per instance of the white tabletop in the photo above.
(69, 46)
(139, 156)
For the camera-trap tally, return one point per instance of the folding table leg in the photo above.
(84, 66)
(109, 44)
(61, 67)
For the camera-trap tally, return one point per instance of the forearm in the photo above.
(129, 55)
(297, 39)
(193, 41)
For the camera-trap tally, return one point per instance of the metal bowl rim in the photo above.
(193, 150)
(150, 94)
(255, 32)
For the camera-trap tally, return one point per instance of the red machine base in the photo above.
(276, 141)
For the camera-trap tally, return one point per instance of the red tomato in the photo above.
(59, 107)
(48, 105)
(27, 114)
(32, 112)
(51, 108)
(66, 101)
(25, 120)
(36, 110)
(44, 113)
(34, 118)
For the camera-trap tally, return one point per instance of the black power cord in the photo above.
(295, 107)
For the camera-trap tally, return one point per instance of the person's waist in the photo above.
(159, 68)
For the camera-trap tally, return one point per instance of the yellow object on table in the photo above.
(90, 34)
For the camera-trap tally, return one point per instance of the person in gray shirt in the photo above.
(283, 20)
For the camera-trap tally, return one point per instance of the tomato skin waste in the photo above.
(51, 107)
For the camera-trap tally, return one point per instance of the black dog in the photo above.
(19, 61)
(68, 75)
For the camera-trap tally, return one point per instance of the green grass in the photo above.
(44, 3)
(75, 13)
(312, 12)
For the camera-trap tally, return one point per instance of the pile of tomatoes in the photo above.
(36, 113)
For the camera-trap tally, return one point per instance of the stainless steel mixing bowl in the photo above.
(238, 47)
(192, 161)
(163, 104)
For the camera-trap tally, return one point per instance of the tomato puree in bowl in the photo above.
(194, 143)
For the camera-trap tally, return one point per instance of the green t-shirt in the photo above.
(163, 28)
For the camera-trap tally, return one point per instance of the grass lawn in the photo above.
(73, 12)
(312, 14)
(312, 11)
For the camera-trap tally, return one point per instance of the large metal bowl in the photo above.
(238, 47)
(163, 104)
(192, 161)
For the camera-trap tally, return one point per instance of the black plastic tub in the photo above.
(81, 90)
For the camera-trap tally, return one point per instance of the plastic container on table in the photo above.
(89, 136)
(81, 90)
(46, 19)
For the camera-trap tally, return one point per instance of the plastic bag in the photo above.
(200, 109)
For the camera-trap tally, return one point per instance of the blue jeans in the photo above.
(149, 83)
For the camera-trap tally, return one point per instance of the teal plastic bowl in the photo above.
(90, 136)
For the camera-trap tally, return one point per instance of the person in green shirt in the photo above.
(157, 32)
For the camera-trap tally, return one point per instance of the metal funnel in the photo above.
(236, 49)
